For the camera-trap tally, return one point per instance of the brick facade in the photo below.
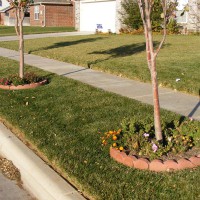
(53, 15)
(1, 18)
(8, 18)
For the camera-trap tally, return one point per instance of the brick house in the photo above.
(7, 17)
(4, 5)
(52, 13)
(41, 13)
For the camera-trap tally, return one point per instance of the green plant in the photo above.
(28, 78)
(31, 77)
(138, 137)
(130, 15)
(172, 27)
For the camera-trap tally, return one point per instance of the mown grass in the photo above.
(124, 55)
(63, 119)
(10, 30)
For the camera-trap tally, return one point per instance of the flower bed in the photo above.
(14, 82)
(135, 145)
(22, 87)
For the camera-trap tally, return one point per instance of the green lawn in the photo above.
(124, 55)
(10, 30)
(62, 120)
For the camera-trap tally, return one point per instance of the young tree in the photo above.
(145, 7)
(20, 7)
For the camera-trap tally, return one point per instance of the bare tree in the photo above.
(20, 7)
(146, 7)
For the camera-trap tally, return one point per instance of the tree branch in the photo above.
(17, 20)
(164, 6)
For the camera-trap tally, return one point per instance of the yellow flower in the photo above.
(119, 131)
(110, 132)
(114, 144)
(121, 148)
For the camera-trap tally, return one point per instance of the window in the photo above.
(36, 12)
(183, 18)
(27, 14)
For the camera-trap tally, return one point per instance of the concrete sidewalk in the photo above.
(171, 100)
(46, 35)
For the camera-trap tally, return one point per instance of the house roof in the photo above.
(5, 9)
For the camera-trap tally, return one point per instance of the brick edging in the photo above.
(156, 165)
(22, 87)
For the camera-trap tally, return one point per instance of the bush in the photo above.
(29, 77)
(130, 15)
(173, 27)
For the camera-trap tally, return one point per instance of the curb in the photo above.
(38, 178)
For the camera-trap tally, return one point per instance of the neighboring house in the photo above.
(3, 6)
(101, 15)
(190, 21)
(193, 22)
(41, 13)
(8, 17)
(52, 13)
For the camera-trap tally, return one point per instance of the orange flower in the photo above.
(104, 142)
(110, 132)
(114, 137)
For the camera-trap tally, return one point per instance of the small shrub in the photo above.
(137, 137)
(172, 27)
(29, 77)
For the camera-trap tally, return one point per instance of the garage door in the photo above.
(98, 15)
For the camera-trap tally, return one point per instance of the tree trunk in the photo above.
(21, 44)
(157, 121)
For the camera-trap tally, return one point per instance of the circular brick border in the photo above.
(156, 165)
(22, 87)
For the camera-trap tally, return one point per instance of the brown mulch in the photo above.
(9, 170)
